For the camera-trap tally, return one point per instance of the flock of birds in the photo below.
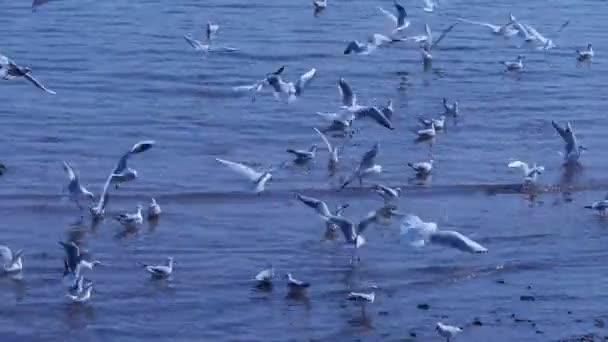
(340, 125)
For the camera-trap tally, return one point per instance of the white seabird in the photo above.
(259, 179)
(303, 156)
(388, 194)
(447, 331)
(422, 169)
(585, 55)
(293, 283)
(332, 163)
(159, 271)
(362, 297)
(437, 123)
(572, 150)
(430, 5)
(77, 192)
(84, 295)
(400, 20)
(518, 65)
(423, 233)
(265, 277)
(11, 262)
(131, 219)
(10, 70)
(154, 210)
(451, 110)
(530, 173)
(319, 6)
(366, 167)
(601, 206)
(499, 30)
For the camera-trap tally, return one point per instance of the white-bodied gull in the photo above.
(366, 167)
(11, 262)
(258, 179)
(159, 271)
(10, 70)
(423, 233)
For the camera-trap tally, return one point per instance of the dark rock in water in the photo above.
(569, 312)
(383, 313)
(2, 169)
(529, 287)
(527, 298)
(412, 334)
(477, 322)
(585, 338)
(423, 306)
(500, 281)
(539, 332)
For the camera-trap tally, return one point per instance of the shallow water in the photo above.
(123, 73)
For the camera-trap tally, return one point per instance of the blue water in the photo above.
(123, 72)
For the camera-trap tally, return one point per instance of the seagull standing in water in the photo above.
(265, 277)
(530, 173)
(400, 20)
(424, 233)
(74, 264)
(131, 219)
(585, 55)
(366, 167)
(422, 169)
(10, 70)
(601, 206)
(295, 284)
(81, 296)
(154, 210)
(518, 65)
(259, 179)
(77, 192)
(159, 271)
(573, 149)
(437, 123)
(362, 297)
(11, 262)
(447, 331)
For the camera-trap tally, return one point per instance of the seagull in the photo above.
(259, 179)
(353, 232)
(388, 194)
(601, 206)
(430, 43)
(265, 277)
(356, 111)
(206, 47)
(543, 42)
(2, 169)
(447, 331)
(98, 211)
(259, 85)
(585, 55)
(11, 262)
(437, 123)
(388, 110)
(450, 110)
(375, 114)
(499, 30)
(430, 5)
(122, 173)
(154, 210)
(74, 264)
(10, 70)
(427, 133)
(211, 30)
(319, 6)
(77, 191)
(362, 297)
(131, 219)
(427, 232)
(422, 169)
(82, 296)
(400, 21)
(319, 206)
(281, 87)
(366, 167)
(374, 41)
(332, 163)
(521, 29)
(160, 271)
(303, 156)
(514, 66)
(530, 173)
(295, 283)
(573, 149)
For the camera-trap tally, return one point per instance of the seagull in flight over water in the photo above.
(257, 178)
(423, 233)
(573, 149)
(10, 70)
(399, 20)
(366, 167)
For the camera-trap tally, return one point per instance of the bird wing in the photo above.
(142, 146)
(316, 204)
(536, 34)
(562, 131)
(39, 85)
(401, 14)
(375, 114)
(363, 224)
(443, 34)
(72, 176)
(304, 80)
(492, 26)
(196, 45)
(346, 226)
(368, 158)
(378, 39)
(325, 140)
(72, 253)
(519, 164)
(390, 16)
(349, 99)
(457, 240)
(6, 253)
(241, 169)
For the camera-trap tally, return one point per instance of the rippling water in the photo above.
(123, 73)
